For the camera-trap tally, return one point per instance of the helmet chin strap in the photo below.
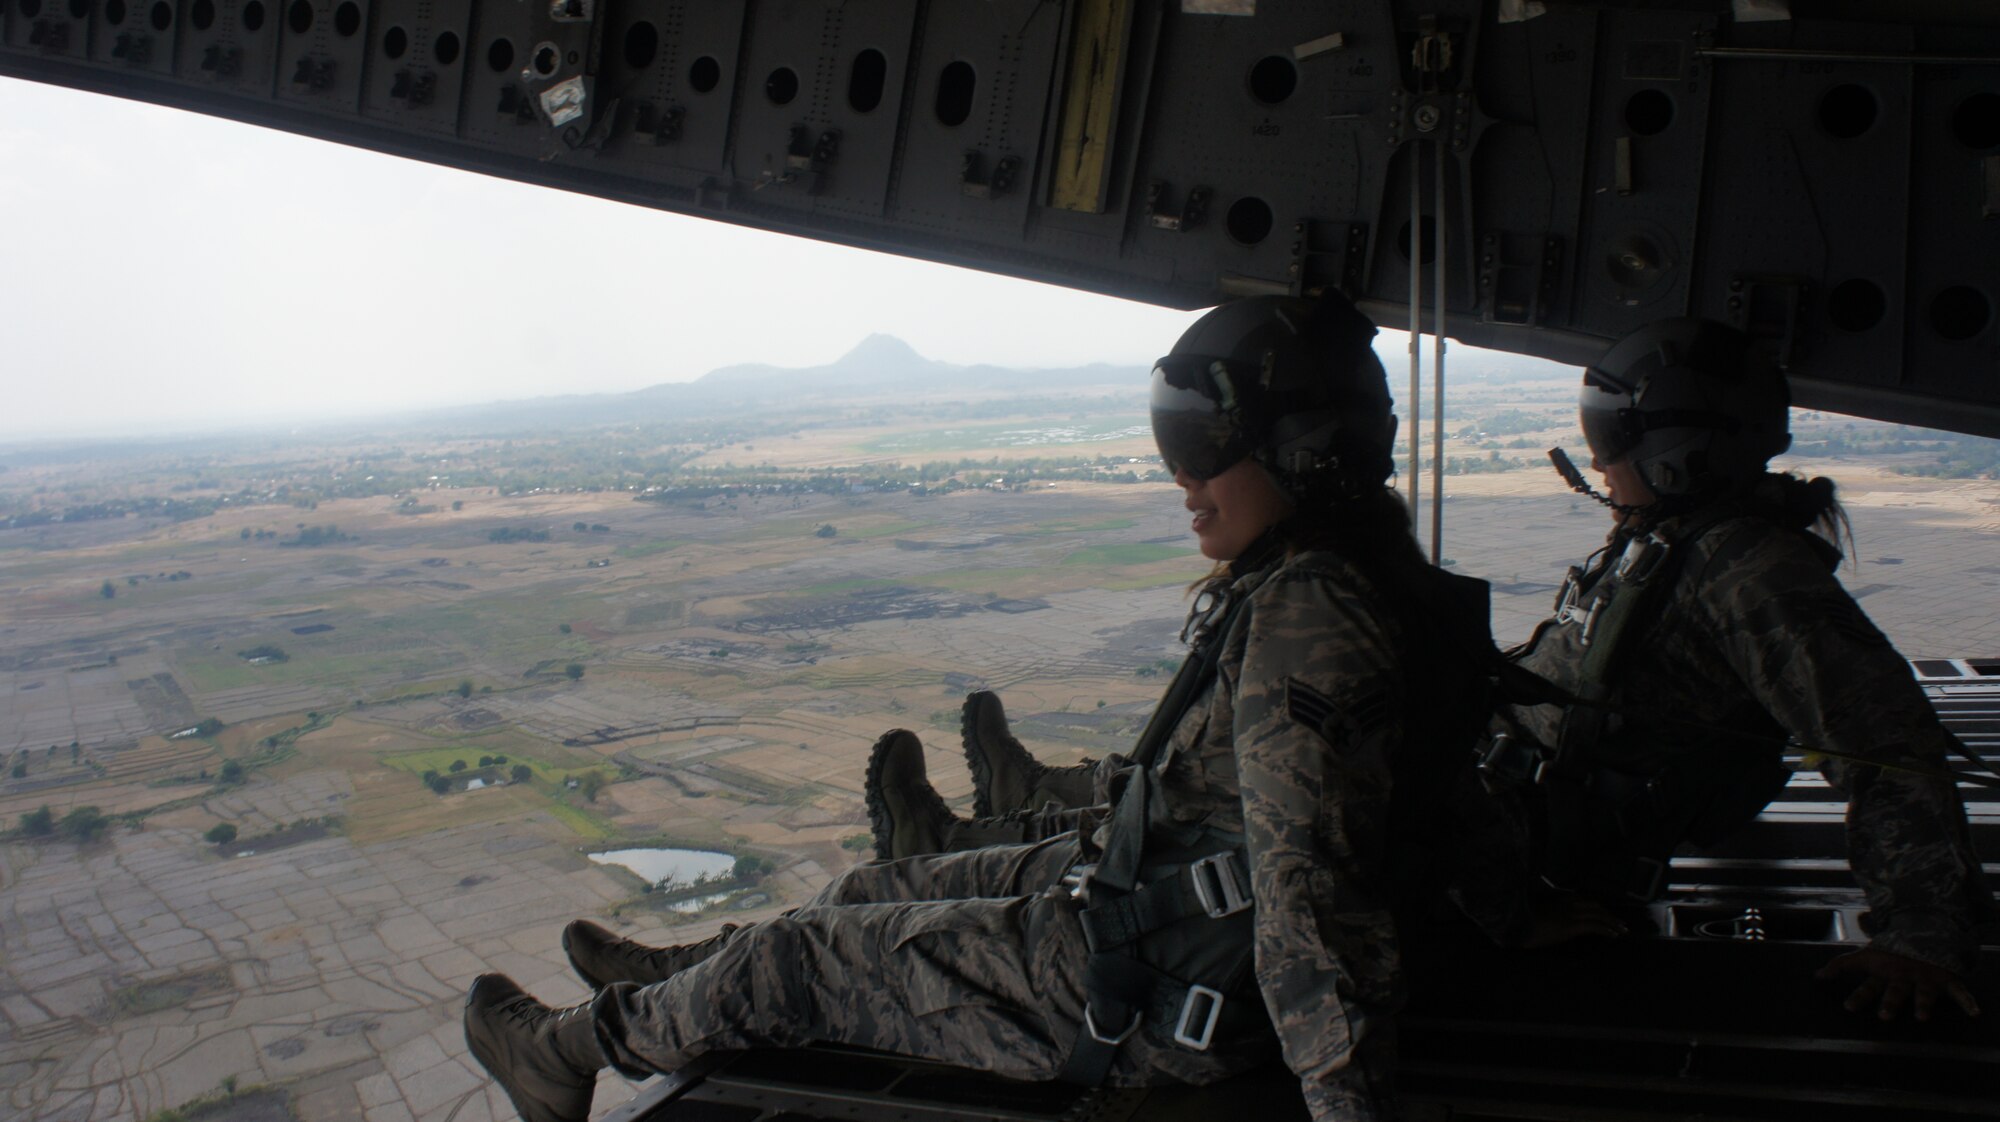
(1567, 468)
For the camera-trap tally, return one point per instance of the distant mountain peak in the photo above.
(881, 352)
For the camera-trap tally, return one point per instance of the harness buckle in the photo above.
(1090, 1026)
(1569, 595)
(1643, 557)
(1218, 887)
(1511, 760)
(1078, 880)
(1590, 619)
(1197, 1041)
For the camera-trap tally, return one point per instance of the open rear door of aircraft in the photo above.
(1533, 175)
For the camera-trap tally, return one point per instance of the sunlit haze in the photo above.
(170, 272)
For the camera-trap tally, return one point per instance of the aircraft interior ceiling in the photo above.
(1824, 174)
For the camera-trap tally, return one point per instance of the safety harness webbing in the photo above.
(1572, 776)
(1129, 896)
(1638, 577)
(1121, 991)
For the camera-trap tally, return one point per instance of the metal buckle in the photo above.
(1642, 557)
(1078, 880)
(1590, 619)
(1228, 894)
(1090, 1026)
(1569, 594)
(1511, 761)
(1181, 1035)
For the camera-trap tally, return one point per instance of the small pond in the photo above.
(681, 866)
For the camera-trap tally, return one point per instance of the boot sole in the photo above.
(879, 821)
(975, 759)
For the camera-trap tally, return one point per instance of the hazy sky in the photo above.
(162, 270)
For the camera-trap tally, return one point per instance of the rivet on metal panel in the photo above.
(974, 183)
(222, 62)
(664, 126)
(1164, 216)
(670, 125)
(413, 88)
(313, 73)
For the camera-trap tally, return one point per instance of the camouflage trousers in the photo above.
(974, 959)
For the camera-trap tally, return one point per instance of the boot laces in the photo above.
(530, 1014)
(671, 960)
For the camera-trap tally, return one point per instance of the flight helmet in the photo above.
(1690, 403)
(1289, 382)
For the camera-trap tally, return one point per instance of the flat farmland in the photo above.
(720, 658)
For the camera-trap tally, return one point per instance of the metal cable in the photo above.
(1415, 411)
(1437, 360)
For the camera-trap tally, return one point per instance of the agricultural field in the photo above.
(703, 667)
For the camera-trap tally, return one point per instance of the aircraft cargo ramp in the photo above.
(1713, 1015)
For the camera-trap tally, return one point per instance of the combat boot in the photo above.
(1004, 774)
(601, 958)
(545, 1059)
(905, 811)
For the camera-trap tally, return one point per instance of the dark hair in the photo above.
(1372, 530)
(1806, 504)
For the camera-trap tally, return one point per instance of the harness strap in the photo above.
(1125, 994)
(1118, 868)
(1121, 990)
(1639, 575)
(1214, 886)
(1124, 850)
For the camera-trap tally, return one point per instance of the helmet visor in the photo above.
(1197, 419)
(1611, 426)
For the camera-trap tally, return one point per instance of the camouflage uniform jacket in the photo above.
(1757, 635)
(1312, 813)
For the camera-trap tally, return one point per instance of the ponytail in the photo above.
(1809, 505)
